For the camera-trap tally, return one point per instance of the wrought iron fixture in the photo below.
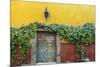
(46, 14)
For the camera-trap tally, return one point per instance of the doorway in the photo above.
(46, 47)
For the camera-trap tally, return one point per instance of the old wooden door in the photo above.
(46, 47)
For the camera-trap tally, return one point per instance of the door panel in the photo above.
(46, 43)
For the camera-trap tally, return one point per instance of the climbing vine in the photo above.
(77, 35)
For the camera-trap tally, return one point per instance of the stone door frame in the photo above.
(34, 44)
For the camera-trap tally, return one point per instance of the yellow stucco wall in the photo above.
(23, 13)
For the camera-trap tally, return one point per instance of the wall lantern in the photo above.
(46, 14)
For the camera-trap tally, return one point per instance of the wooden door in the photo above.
(46, 47)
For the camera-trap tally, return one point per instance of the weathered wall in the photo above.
(68, 52)
(90, 52)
